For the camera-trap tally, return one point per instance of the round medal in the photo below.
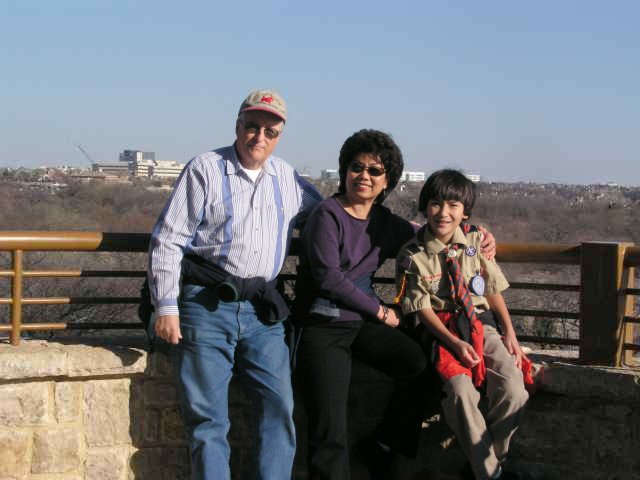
(452, 253)
(477, 285)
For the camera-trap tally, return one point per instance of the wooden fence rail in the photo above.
(607, 289)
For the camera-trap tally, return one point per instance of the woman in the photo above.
(346, 238)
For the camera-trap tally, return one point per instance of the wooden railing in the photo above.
(606, 308)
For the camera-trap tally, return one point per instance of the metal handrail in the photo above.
(18, 242)
(73, 241)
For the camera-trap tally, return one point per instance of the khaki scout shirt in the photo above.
(421, 262)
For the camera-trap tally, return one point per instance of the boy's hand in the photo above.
(488, 245)
(513, 347)
(466, 354)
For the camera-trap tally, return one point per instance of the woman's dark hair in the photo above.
(377, 144)
(449, 185)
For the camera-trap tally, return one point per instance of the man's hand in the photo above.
(488, 245)
(168, 328)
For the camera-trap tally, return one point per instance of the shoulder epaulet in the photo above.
(413, 248)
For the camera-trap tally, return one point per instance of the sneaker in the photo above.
(375, 458)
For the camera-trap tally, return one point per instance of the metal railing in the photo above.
(606, 289)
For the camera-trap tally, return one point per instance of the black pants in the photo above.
(323, 367)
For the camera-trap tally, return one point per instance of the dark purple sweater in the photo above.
(333, 244)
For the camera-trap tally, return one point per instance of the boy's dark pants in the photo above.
(323, 369)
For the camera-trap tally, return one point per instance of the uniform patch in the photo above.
(477, 285)
(413, 248)
(429, 278)
(470, 251)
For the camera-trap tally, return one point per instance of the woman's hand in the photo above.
(488, 244)
(168, 328)
(393, 316)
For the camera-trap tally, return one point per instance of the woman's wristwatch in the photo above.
(385, 313)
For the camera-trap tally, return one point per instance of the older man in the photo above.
(232, 209)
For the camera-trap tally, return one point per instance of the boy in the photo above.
(455, 293)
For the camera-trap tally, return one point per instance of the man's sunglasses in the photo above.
(254, 129)
(371, 170)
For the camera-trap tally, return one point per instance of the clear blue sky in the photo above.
(544, 91)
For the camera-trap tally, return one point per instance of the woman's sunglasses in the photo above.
(371, 170)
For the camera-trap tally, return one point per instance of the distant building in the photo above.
(141, 168)
(138, 161)
(95, 176)
(167, 169)
(329, 174)
(132, 156)
(119, 169)
(156, 168)
(410, 176)
(144, 164)
(473, 177)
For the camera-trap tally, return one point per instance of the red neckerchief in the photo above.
(447, 364)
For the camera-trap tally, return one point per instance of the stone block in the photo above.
(160, 394)
(25, 404)
(571, 438)
(107, 412)
(32, 359)
(68, 401)
(620, 385)
(151, 427)
(105, 360)
(137, 410)
(613, 437)
(107, 463)
(15, 454)
(172, 426)
(56, 451)
(159, 365)
(167, 463)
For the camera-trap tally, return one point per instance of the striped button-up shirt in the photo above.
(216, 211)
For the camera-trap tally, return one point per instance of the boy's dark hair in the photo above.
(448, 184)
(377, 144)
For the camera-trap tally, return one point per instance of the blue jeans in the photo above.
(218, 337)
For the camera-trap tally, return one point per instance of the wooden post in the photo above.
(601, 303)
(16, 294)
(628, 308)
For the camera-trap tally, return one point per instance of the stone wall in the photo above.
(76, 411)
(87, 410)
